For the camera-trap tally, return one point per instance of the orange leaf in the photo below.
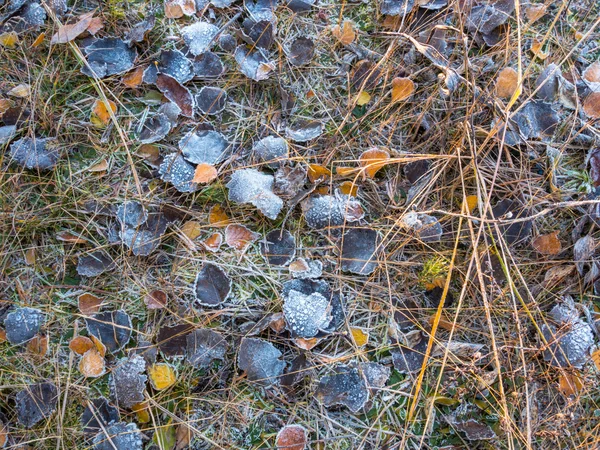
(317, 173)
(536, 49)
(535, 12)
(360, 337)
(96, 24)
(100, 113)
(89, 304)
(373, 160)
(345, 34)
(38, 345)
(81, 344)
(291, 437)
(592, 73)
(92, 364)
(402, 88)
(213, 242)
(591, 105)
(570, 383)
(67, 33)
(345, 171)
(174, 9)
(547, 244)
(507, 82)
(596, 358)
(349, 188)
(217, 217)
(205, 173)
(38, 40)
(99, 167)
(239, 237)
(306, 344)
(100, 347)
(471, 203)
(2, 335)
(134, 78)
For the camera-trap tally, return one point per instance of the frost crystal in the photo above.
(199, 36)
(127, 384)
(204, 146)
(344, 387)
(253, 64)
(107, 56)
(33, 154)
(119, 436)
(256, 188)
(325, 211)
(22, 324)
(306, 315)
(260, 360)
(177, 171)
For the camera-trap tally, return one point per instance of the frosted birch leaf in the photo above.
(536, 119)
(408, 356)
(119, 436)
(155, 128)
(35, 403)
(138, 32)
(239, 237)
(31, 16)
(33, 153)
(106, 57)
(176, 65)
(485, 17)
(144, 239)
(547, 83)
(172, 341)
(396, 7)
(375, 375)
(583, 253)
(7, 132)
(253, 64)
(271, 150)
(23, 324)
(211, 100)
(256, 188)
(204, 346)
(94, 264)
(205, 146)
(212, 285)
(427, 227)
(472, 429)
(131, 214)
(304, 131)
(289, 181)
(306, 315)
(97, 415)
(515, 232)
(177, 171)
(300, 6)
(259, 34)
(344, 386)
(291, 437)
(261, 361)
(177, 93)
(162, 376)
(127, 382)
(359, 247)
(112, 328)
(325, 211)
(208, 66)
(199, 37)
(301, 51)
(304, 269)
(261, 9)
(279, 247)
(174, 9)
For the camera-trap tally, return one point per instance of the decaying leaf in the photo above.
(100, 112)
(177, 93)
(81, 344)
(535, 12)
(23, 324)
(345, 33)
(537, 49)
(591, 105)
(547, 244)
(408, 356)
(583, 252)
(112, 328)
(204, 346)
(301, 51)
(138, 32)
(35, 403)
(304, 131)
(240, 237)
(375, 375)
(358, 251)
(92, 364)
(507, 82)
(208, 66)
(402, 88)
(570, 383)
(485, 17)
(473, 429)
(279, 247)
(162, 376)
(205, 173)
(172, 341)
(39, 345)
(256, 188)
(155, 299)
(127, 382)
(89, 304)
(260, 360)
(213, 242)
(303, 269)
(359, 336)
(119, 436)
(20, 91)
(94, 264)
(515, 232)
(9, 40)
(289, 181)
(97, 415)
(34, 153)
(174, 9)
(212, 285)
(106, 57)
(345, 386)
(217, 217)
(67, 33)
(373, 160)
(291, 437)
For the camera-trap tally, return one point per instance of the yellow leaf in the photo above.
(205, 173)
(471, 203)
(507, 82)
(191, 229)
(100, 347)
(218, 217)
(360, 337)
(402, 88)
(162, 376)
(349, 188)
(9, 40)
(570, 383)
(345, 171)
(100, 112)
(363, 98)
(38, 40)
(141, 411)
(317, 173)
(30, 256)
(373, 160)
(345, 34)
(596, 358)
(536, 49)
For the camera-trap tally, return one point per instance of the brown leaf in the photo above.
(547, 244)
(402, 88)
(81, 344)
(306, 344)
(134, 78)
(149, 152)
(2, 335)
(30, 256)
(191, 229)
(92, 364)
(177, 93)
(3, 434)
(67, 33)
(318, 173)
(5, 105)
(99, 167)
(570, 383)
(218, 217)
(205, 173)
(239, 237)
(20, 91)
(174, 9)
(507, 82)
(67, 236)
(537, 49)
(592, 73)
(291, 437)
(100, 347)
(183, 436)
(96, 24)
(373, 160)
(38, 345)
(535, 12)
(156, 299)
(100, 112)
(213, 242)
(349, 188)
(345, 34)
(89, 304)
(591, 105)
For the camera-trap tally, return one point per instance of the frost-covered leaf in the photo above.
(94, 264)
(211, 100)
(408, 356)
(68, 32)
(92, 364)
(271, 150)
(259, 34)
(344, 386)
(279, 247)
(365, 76)
(240, 237)
(97, 415)
(112, 328)
(23, 324)
(375, 375)
(291, 437)
(396, 7)
(176, 65)
(591, 105)
(155, 128)
(204, 346)
(7, 132)
(213, 242)
(488, 15)
(306, 315)
(253, 64)
(119, 436)
(162, 376)
(289, 181)
(515, 232)
(256, 188)
(127, 382)
(132, 213)
(177, 93)
(155, 299)
(89, 303)
(144, 239)
(583, 253)
(536, 119)
(177, 171)
(427, 227)
(212, 285)
(303, 131)
(172, 341)
(260, 360)
(34, 153)
(301, 51)
(208, 66)
(547, 83)
(359, 248)
(81, 344)
(344, 33)
(174, 9)
(205, 146)
(303, 269)
(405, 314)
(138, 32)
(402, 88)
(199, 37)
(35, 403)
(106, 57)
(473, 430)
(507, 82)
(325, 211)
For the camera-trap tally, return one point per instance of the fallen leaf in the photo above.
(101, 166)
(89, 304)
(213, 242)
(373, 160)
(260, 360)
(363, 98)
(191, 229)
(162, 376)
(239, 237)
(217, 217)
(9, 40)
(92, 364)
(35, 403)
(291, 437)
(20, 91)
(38, 346)
(507, 82)
(96, 24)
(536, 49)
(592, 73)
(596, 358)
(344, 386)
(205, 173)
(5, 105)
(81, 344)
(23, 324)
(3, 434)
(359, 336)
(570, 383)
(3, 335)
(174, 9)
(212, 285)
(402, 88)
(177, 93)
(100, 347)
(547, 244)
(67, 236)
(101, 114)
(141, 411)
(349, 188)
(535, 12)
(345, 171)
(344, 34)
(471, 203)
(155, 299)
(318, 173)
(591, 105)
(134, 78)
(38, 40)
(30, 257)
(149, 152)
(67, 33)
